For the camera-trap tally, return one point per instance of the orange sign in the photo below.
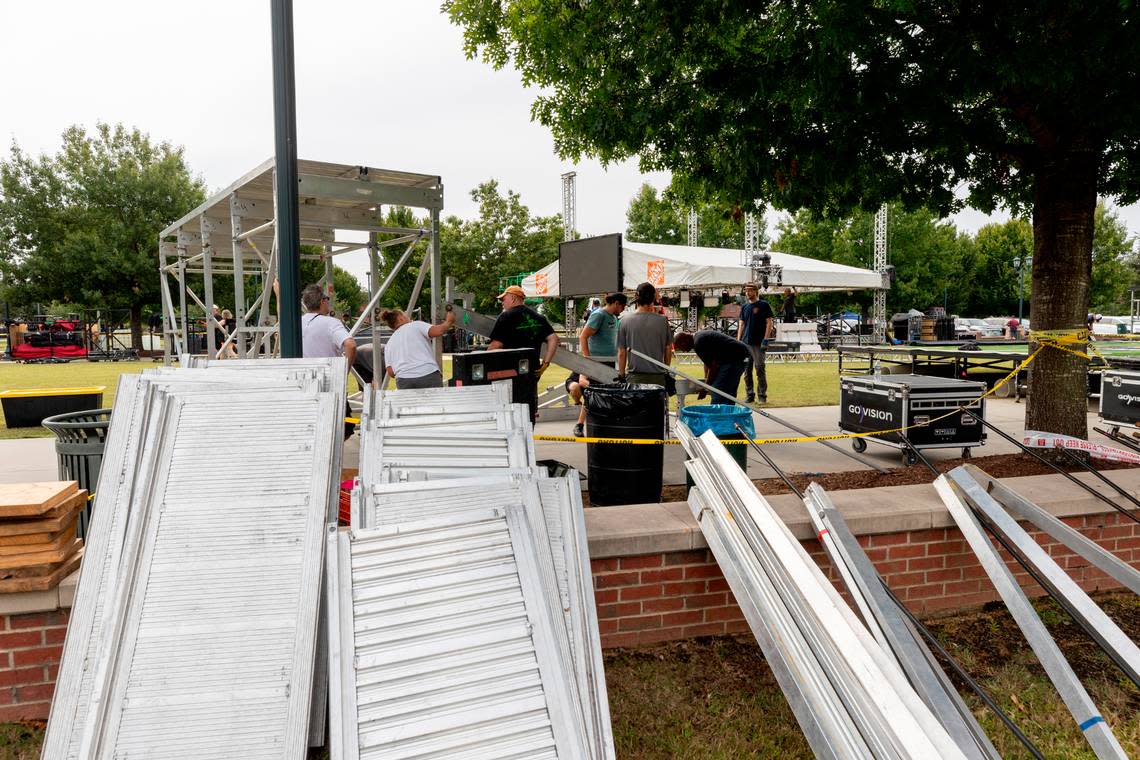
(655, 272)
(540, 286)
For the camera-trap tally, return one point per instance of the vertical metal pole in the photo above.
(239, 277)
(185, 324)
(330, 289)
(285, 179)
(1020, 289)
(373, 284)
(436, 283)
(208, 287)
(167, 308)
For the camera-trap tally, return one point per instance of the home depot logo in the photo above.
(655, 272)
(540, 284)
(875, 414)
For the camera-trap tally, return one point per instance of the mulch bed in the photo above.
(998, 466)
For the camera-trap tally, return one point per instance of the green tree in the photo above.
(663, 218)
(989, 272)
(831, 106)
(1113, 264)
(82, 226)
(506, 239)
(926, 251)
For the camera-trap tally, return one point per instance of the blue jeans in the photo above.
(727, 380)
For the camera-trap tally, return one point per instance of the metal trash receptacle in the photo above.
(79, 441)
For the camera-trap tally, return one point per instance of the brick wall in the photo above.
(30, 648)
(676, 595)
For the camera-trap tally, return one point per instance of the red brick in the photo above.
(963, 587)
(664, 574)
(950, 574)
(703, 629)
(668, 604)
(640, 592)
(877, 555)
(55, 635)
(890, 539)
(18, 639)
(625, 609)
(35, 693)
(642, 561)
(31, 711)
(603, 565)
(36, 656)
(612, 641)
(606, 596)
(961, 560)
(1074, 522)
(612, 580)
(927, 536)
(924, 592)
(936, 562)
(907, 551)
(703, 571)
(694, 557)
(717, 584)
(736, 626)
(22, 676)
(607, 626)
(7, 696)
(38, 620)
(639, 623)
(902, 580)
(684, 588)
(686, 617)
(723, 613)
(1132, 542)
(946, 547)
(974, 571)
(697, 601)
(52, 672)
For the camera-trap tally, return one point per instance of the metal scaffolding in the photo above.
(232, 235)
(879, 307)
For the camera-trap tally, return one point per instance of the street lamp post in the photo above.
(1021, 263)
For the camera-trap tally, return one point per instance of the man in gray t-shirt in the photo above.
(648, 332)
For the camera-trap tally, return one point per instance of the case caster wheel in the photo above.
(909, 458)
(859, 445)
(966, 453)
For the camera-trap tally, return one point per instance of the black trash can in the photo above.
(623, 473)
(79, 441)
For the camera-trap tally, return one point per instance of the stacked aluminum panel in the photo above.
(974, 509)
(462, 597)
(849, 697)
(194, 628)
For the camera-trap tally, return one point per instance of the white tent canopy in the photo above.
(673, 267)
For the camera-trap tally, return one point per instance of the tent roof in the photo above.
(671, 267)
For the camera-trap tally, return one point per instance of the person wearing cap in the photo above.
(756, 326)
(519, 326)
(598, 341)
(724, 357)
(645, 331)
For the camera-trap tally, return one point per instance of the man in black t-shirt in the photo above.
(520, 326)
(724, 357)
(756, 327)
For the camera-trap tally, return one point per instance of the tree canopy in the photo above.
(836, 105)
(82, 226)
(654, 217)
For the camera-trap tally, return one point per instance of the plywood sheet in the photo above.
(33, 499)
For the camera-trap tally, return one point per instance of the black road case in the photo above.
(484, 367)
(1120, 398)
(873, 403)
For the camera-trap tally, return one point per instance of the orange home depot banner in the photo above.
(540, 286)
(655, 272)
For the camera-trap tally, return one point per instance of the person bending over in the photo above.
(724, 358)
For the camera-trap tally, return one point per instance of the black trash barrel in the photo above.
(623, 473)
(79, 441)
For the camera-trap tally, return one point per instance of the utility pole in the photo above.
(879, 307)
(1021, 263)
(694, 229)
(285, 180)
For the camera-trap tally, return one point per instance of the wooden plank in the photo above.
(33, 563)
(45, 582)
(33, 499)
(40, 542)
(49, 522)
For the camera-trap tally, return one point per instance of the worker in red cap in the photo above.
(520, 326)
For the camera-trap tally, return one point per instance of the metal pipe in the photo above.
(787, 481)
(381, 290)
(285, 179)
(1100, 476)
(240, 236)
(424, 266)
(1119, 439)
(918, 454)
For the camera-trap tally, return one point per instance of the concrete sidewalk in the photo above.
(28, 460)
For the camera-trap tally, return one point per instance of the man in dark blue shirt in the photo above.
(756, 327)
(724, 357)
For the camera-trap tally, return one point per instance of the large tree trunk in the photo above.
(136, 327)
(1063, 208)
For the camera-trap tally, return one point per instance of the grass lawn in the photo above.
(814, 384)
